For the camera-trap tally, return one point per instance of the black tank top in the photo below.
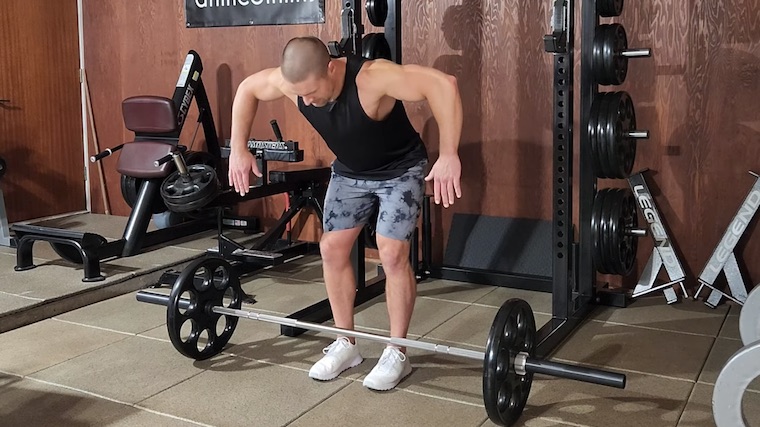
(365, 148)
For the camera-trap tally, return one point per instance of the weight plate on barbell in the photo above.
(505, 392)
(377, 12)
(374, 46)
(206, 283)
(185, 193)
(609, 8)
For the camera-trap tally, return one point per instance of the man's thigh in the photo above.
(400, 203)
(349, 203)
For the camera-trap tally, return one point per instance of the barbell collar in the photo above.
(577, 373)
(637, 53)
(520, 360)
(179, 161)
(637, 134)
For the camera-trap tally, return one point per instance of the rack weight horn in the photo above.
(207, 294)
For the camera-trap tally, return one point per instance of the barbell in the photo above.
(208, 290)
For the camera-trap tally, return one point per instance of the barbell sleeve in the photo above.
(160, 299)
(638, 134)
(637, 53)
(577, 373)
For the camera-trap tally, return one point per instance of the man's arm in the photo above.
(261, 86)
(414, 83)
(256, 87)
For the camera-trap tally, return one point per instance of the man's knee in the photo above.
(394, 254)
(335, 246)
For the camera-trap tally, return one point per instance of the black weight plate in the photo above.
(609, 8)
(630, 144)
(602, 133)
(608, 50)
(505, 392)
(377, 12)
(200, 158)
(192, 191)
(620, 152)
(613, 136)
(374, 46)
(597, 54)
(619, 40)
(596, 229)
(210, 282)
(3, 167)
(615, 232)
(630, 242)
(592, 134)
(605, 226)
(130, 189)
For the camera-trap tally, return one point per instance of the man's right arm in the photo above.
(261, 86)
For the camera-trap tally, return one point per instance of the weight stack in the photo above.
(609, 142)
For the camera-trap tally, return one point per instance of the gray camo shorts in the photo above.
(350, 203)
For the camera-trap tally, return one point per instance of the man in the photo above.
(356, 106)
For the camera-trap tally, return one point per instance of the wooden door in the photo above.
(40, 115)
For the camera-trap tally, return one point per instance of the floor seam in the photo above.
(655, 329)
(106, 398)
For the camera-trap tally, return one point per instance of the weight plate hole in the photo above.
(204, 340)
(221, 278)
(188, 330)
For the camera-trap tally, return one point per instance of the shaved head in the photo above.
(304, 57)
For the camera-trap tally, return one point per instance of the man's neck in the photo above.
(339, 78)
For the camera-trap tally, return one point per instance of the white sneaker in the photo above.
(392, 367)
(339, 356)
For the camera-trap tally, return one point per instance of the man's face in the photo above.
(314, 90)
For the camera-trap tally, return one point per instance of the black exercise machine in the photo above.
(157, 123)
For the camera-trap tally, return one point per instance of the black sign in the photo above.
(230, 13)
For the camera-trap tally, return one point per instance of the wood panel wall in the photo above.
(697, 96)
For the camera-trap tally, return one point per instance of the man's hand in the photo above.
(242, 163)
(445, 175)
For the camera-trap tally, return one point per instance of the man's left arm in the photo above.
(417, 83)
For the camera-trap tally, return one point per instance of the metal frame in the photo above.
(393, 29)
(663, 253)
(723, 258)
